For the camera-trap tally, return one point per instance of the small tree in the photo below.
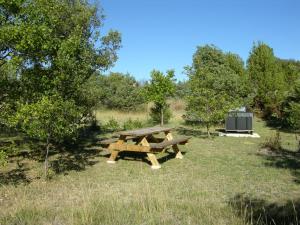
(267, 80)
(160, 88)
(215, 85)
(207, 106)
(51, 120)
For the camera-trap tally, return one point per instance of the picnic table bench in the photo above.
(143, 140)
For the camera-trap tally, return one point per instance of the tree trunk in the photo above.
(161, 116)
(46, 157)
(207, 129)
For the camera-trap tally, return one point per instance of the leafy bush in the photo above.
(132, 124)
(121, 92)
(293, 118)
(3, 158)
(155, 114)
(112, 125)
(291, 108)
(273, 142)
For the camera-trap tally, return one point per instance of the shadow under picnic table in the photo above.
(142, 156)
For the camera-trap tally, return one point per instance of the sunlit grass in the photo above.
(141, 113)
(198, 189)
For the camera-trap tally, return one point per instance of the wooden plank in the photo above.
(164, 144)
(155, 164)
(113, 156)
(145, 131)
(106, 142)
(153, 139)
(114, 153)
(144, 142)
(129, 147)
(177, 151)
(169, 136)
(152, 158)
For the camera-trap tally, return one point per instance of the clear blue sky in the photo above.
(163, 34)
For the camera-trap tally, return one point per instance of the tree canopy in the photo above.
(120, 91)
(52, 45)
(215, 85)
(50, 50)
(159, 89)
(267, 79)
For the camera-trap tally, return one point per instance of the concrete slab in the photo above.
(254, 135)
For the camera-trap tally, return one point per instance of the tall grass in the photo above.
(177, 107)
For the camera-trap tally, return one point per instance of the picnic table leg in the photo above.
(153, 160)
(151, 156)
(177, 151)
(169, 135)
(114, 153)
(113, 156)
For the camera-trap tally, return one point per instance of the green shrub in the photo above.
(3, 158)
(7, 149)
(121, 92)
(112, 125)
(291, 108)
(132, 124)
(292, 115)
(155, 114)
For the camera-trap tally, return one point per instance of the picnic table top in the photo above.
(144, 131)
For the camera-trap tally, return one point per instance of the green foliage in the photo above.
(49, 52)
(121, 92)
(131, 124)
(161, 87)
(236, 63)
(54, 47)
(3, 157)
(50, 118)
(293, 115)
(215, 85)
(267, 80)
(181, 89)
(8, 147)
(92, 92)
(291, 108)
(112, 125)
(291, 70)
(9, 92)
(155, 114)
(158, 90)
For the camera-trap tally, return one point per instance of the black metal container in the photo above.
(238, 121)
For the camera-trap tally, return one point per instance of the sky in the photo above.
(164, 34)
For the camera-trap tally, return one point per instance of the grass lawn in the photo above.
(220, 181)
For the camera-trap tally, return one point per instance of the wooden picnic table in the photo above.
(143, 140)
